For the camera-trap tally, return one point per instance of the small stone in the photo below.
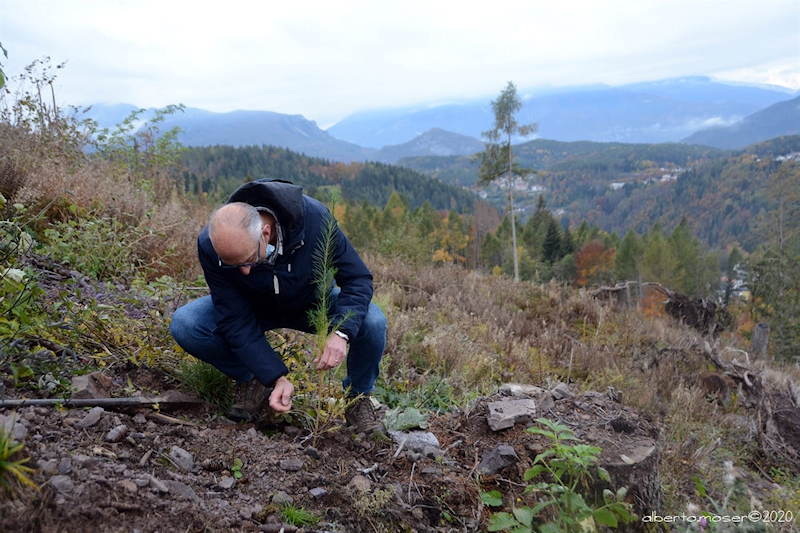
(282, 498)
(495, 460)
(504, 414)
(318, 493)
(84, 461)
(140, 482)
(70, 421)
(157, 484)
(182, 459)
(227, 483)
(50, 466)
(11, 424)
(117, 433)
(414, 440)
(182, 491)
(291, 465)
(432, 452)
(62, 484)
(561, 391)
(130, 486)
(312, 452)
(65, 466)
(94, 385)
(91, 418)
(360, 483)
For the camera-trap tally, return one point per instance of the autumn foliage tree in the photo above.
(594, 264)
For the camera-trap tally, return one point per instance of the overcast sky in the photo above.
(327, 59)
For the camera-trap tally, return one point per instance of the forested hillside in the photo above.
(622, 186)
(216, 171)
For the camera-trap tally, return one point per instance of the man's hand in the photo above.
(334, 353)
(281, 398)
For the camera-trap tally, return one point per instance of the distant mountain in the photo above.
(254, 128)
(653, 112)
(777, 120)
(243, 128)
(434, 142)
(662, 111)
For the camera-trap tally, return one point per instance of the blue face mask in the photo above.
(270, 250)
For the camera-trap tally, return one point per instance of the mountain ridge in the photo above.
(648, 112)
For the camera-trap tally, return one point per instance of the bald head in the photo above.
(234, 230)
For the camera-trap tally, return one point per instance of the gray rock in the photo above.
(11, 424)
(62, 484)
(312, 452)
(520, 389)
(414, 440)
(561, 391)
(291, 464)
(227, 483)
(182, 459)
(50, 466)
(182, 491)
(117, 433)
(495, 460)
(65, 466)
(84, 461)
(432, 452)
(157, 484)
(545, 403)
(91, 418)
(94, 385)
(318, 493)
(504, 414)
(282, 498)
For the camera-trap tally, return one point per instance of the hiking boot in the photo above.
(362, 416)
(250, 399)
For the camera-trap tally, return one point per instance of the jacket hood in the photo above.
(282, 197)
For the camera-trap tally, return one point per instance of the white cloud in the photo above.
(327, 59)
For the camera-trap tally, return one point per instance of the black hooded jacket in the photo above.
(284, 290)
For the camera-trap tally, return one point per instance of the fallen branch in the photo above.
(171, 400)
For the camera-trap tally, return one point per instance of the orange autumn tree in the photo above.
(594, 264)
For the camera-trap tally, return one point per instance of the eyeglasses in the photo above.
(256, 263)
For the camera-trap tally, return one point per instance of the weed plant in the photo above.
(297, 516)
(208, 383)
(567, 470)
(13, 470)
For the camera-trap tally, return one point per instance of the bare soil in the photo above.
(121, 473)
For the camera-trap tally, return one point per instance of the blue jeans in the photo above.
(194, 328)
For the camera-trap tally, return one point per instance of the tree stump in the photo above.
(635, 466)
(760, 342)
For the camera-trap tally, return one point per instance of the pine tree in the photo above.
(551, 246)
(629, 257)
(498, 158)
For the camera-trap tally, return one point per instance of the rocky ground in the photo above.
(103, 469)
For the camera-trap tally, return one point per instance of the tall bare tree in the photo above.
(497, 159)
